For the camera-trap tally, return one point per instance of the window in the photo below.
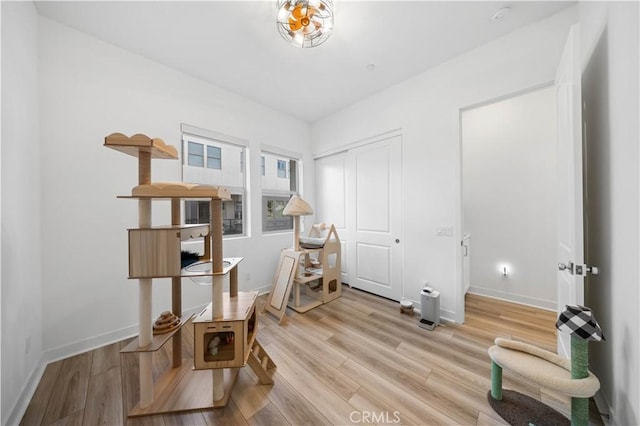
(197, 211)
(282, 169)
(279, 175)
(273, 219)
(196, 154)
(210, 170)
(214, 157)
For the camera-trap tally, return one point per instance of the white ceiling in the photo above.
(235, 44)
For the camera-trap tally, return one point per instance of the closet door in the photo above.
(359, 191)
(330, 199)
(374, 200)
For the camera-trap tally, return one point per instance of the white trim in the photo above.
(269, 149)
(509, 95)
(26, 394)
(547, 305)
(359, 143)
(458, 231)
(604, 408)
(263, 290)
(92, 343)
(210, 134)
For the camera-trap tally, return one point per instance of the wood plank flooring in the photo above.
(355, 360)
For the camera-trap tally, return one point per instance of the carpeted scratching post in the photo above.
(579, 370)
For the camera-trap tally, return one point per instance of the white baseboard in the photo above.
(549, 305)
(605, 408)
(263, 290)
(27, 392)
(66, 351)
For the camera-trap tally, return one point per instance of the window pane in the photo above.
(214, 157)
(197, 212)
(282, 169)
(293, 175)
(232, 216)
(196, 155)
(272, 217)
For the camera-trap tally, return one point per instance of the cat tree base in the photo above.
(185, 389)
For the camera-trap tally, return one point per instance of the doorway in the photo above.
(359, 190)
(509, 197)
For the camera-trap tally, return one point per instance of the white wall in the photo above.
(610, 89)
(509, 164)
(427, 108)
(21, 207)
(90, 89)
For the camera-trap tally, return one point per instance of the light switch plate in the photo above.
(444, 231)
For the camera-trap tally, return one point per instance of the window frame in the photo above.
(293, 169)
(217, 159)
(216, 176)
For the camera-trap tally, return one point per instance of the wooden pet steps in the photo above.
(261, 363)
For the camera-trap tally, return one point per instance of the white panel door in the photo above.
(330, 205)
(374, 206)
(570, 282)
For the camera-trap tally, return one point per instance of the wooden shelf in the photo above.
(140, 143)
(306, 303)
(303, 279)
(183, 389)
(172, 190)
(228, 265)
(234, 308)
(187, 232)
(158, 340)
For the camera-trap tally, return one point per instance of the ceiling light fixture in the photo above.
(305, 23)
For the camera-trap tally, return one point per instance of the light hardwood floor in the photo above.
(355, 360)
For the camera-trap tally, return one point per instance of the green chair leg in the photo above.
(579, 411)
(496, 381)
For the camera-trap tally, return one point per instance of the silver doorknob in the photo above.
(562, 266)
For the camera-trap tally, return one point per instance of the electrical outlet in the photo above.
(444, 231)
(27, 345)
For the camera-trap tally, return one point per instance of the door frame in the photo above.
(458, 233)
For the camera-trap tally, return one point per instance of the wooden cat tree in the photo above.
(312, 267)
(229, 321)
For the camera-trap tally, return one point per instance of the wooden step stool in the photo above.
(261, 363)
